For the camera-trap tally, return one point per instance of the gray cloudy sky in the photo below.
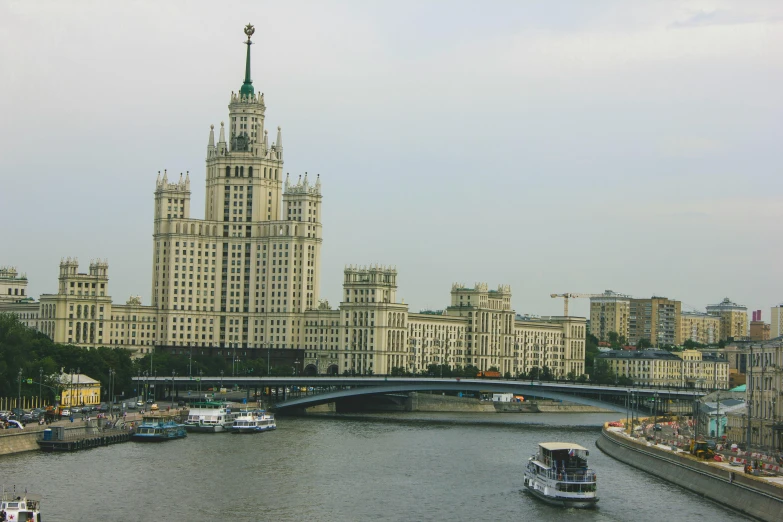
(566, 146)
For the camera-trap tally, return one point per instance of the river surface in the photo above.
(398, 467)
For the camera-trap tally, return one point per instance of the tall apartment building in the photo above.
(776, 321)
(244, 281)
(733, 319)
(13, 287)
(699, 327)
(609, 313)
(244, 275)
(656, 319)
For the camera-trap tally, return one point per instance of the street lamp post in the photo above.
(268, 359)
(655, 407)
(40, 385)
(221, 378)
(19, 397)
(173, 374)
(78, 382)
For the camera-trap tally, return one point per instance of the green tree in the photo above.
(643, 343)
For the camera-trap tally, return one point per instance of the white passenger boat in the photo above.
(20, 507)
(559, 475)
(253, 422)
(209, 417)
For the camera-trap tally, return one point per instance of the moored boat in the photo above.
(20, 506)
(209, 417)
(254, 422)
(558, 474)
(158, 427)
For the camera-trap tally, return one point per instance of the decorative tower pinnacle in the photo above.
(247, 86)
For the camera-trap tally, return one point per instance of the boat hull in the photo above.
(569, 502)
(252, 429)
(199, 428)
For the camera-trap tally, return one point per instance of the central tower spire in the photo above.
(247, 86)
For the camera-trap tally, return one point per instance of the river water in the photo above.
(398, 467)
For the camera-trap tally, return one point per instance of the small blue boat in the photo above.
(158, 428)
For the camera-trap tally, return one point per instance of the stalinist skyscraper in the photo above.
(243, 276)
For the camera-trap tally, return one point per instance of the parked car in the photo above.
(150, 401)
(180, 403)
(139, 404)
(65, 413)
(657, 427)
(154, 407)
(131, 405)
(115, 407)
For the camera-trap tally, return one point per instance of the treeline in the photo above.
(41, 361)
(22, 348)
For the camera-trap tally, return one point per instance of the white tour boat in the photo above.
(253, 422)
(20, 507)
(559, 475)
(209, 417)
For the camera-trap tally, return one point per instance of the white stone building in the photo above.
(245, 280)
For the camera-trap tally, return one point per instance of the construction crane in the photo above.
(566, 297)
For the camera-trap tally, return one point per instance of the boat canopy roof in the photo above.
(209, 404)
(554, 446)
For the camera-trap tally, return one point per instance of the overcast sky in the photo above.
(569, 146)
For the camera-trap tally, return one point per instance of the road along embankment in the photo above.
(758, 497)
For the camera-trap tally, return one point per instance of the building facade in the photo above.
(610, 313)
(656, 319)
(733, 319)
(371, 332)
(699, 327)
(13, 286)
(690, 368)
(759, 331)
(77, 389)
(776, 321)
(764, 384)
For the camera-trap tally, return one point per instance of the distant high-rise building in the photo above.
(699, 327)
(733, 319)
(656, 319)
(609, 313)
(776, 321)
(759, 331)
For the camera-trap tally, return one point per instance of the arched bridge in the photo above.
(323, 390)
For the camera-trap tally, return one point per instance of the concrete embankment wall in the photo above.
(745, 493)
(18, 441)
(447, 403)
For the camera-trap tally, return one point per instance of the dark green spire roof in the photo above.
(247, 86)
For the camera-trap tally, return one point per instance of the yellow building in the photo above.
(700, 328)
(656, 319)
(77, 389)
(733, 319)
(690, 368)
(609, 312)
